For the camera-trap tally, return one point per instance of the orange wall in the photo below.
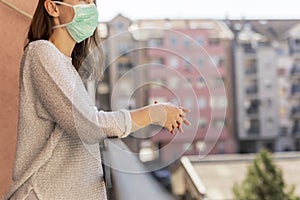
(13, 32)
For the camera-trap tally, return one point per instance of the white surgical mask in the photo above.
(84, 22)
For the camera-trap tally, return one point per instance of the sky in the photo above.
(217, 9)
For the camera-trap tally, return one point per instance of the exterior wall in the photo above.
(267, 91)
(13, 32)
(263, 80)
(285, 62)
(294, 91)
(180, 79)
(274, 59)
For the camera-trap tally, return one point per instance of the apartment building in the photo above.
(294, 77)
(263, 59)
(189, 64)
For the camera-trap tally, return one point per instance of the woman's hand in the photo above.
(169, 116)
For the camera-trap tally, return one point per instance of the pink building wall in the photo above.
(206, 71)
(13, 32)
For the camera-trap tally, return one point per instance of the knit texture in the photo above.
(59, 130)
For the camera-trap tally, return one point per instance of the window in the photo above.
(187, 42)
(270, 123)
(200, 40)
(188, 82)
(218, 123)
(155, 42)
(217, 61)
(252, 126)
(173, 41)
(157, 61)
(120, 26)
(221, 147)
(281, 72)
(200, 62)
(218, 82)
(158, 83)
(188, 103)
(202, 103)
(173, 82)
(218, 102)
(297, 42)
(123, 67)
(200, 82)
(187, 63)
(280, 52)
(202, 123)
(174, 62)
(214, 41)
(123, 48)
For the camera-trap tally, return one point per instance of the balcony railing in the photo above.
(253, 111)
(253, 131)
(186, 183)
(251, 70)
(251, 90)
(295, 90)
(248, 49)
(126, 178)
(296, 128)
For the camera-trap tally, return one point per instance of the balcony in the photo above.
(126, 177)
(252, 90)
(295, 71)
(294, 46)
(296, 128)
(295, 112)
(295, 90)
(253, 127)
(251, 70)
(253, 131)
(253, 111)
(248, 49)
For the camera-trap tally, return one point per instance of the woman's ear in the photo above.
(51, 8)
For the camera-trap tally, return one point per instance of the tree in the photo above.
(264, 181)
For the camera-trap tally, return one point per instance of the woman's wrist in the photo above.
(157, 114)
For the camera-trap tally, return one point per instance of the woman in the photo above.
(59, 128)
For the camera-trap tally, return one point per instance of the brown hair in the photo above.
(89, 68)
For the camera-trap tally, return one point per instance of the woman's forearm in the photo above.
(166, 115)
(140, 118)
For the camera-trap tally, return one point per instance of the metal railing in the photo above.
(126, 177)
(186, 183)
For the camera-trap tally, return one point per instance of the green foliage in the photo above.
(264, 182)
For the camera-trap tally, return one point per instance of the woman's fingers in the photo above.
(187, 122)
(176, 116)
(180, 128)
(186, 110)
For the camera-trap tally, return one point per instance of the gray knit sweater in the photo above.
(59, 130)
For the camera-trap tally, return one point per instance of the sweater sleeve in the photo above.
(59, 89)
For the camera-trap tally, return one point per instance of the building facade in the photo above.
(264, 56)
(15, 18)
(189, 64)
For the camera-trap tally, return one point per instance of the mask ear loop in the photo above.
(64, 25)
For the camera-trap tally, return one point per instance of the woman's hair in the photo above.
(87, 56)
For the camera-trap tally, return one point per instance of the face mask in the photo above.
(84, 22)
